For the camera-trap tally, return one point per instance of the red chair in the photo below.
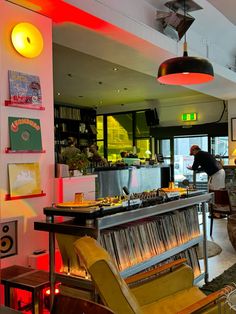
(68, 305)
(221, 205)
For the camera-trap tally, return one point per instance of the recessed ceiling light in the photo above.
(80, 96)
(125, 88)
(115, 69)
(58, 94)
(69, 74)
(100, 82)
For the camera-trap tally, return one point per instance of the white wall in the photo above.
(208, 110)
(30, 209)
(170, 110)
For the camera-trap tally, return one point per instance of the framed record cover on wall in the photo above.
(24, 179)
(24, 89)
(25, 134)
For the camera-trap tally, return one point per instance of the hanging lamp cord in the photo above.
(185, 45)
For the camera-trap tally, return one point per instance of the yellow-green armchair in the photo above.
(169, 292)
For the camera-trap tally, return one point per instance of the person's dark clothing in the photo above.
(206, 162)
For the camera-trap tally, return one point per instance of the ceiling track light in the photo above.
(185, 70)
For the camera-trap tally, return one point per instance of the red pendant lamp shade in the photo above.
(185, 71)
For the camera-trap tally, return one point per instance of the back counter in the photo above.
(110, 181)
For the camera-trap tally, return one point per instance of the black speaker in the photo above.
(152, 117)
(8, 239)
(165, 176)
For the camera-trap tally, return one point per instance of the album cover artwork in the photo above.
(24, 88)
(24, 179)
(25, 134)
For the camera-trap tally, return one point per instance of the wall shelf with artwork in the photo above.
(8, 103)
(24, 181)
(25, 135)
(8, 197)
(24, 91)
(8, 150)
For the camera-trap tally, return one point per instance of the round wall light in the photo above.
(27, 40)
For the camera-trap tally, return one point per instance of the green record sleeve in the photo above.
(25, 134)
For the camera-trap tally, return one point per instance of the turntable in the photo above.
(172, 194)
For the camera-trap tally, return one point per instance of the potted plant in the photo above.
(78, 161)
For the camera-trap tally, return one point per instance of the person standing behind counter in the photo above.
(206, 162)
(95, 156)
(71, 151)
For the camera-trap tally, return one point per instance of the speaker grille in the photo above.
(8, 234)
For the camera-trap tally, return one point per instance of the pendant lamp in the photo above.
(185, 70)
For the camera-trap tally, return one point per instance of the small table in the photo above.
(28, 279)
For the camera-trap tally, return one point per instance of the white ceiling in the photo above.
(227, 8)
(90, 81)
(84, 59)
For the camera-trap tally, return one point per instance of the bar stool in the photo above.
(27, 279)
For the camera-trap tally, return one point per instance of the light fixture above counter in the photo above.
(185, 70)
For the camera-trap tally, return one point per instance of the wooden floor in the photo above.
(227, 257)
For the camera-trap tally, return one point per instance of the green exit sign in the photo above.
(189, 116)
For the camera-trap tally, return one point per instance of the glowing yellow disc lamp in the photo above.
(27, 40)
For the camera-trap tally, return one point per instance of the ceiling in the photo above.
(227, 8)
(85, 60)
(90, 81)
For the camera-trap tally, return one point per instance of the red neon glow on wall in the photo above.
(61, 12)
(59, 188)
(41, 261)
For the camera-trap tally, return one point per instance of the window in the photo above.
(165, 150)
(100, 127)
(219, 148)
(141, 128)
(100, 134)
(142, 135)
(119, 135)
(143, 145)
(182, 159)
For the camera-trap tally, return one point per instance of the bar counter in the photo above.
(138, 179)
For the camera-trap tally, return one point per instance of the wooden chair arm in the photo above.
(155, 271)
(207, 300)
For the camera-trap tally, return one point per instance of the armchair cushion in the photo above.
(174, 302)
(164, 285)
